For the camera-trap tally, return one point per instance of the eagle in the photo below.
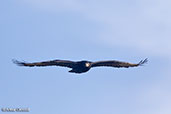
(81, 66)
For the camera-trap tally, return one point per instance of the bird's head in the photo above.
(86, 63)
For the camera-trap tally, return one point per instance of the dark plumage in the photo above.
(81, 66)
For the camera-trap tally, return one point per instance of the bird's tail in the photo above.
(71, 71)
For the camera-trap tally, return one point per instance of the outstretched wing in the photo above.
(63, 63)
(117, 64)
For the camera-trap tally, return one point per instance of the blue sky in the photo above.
(37, 30)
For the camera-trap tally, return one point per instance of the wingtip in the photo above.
(142, 62)
(17, 62)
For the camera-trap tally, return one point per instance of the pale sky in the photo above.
(38, 30)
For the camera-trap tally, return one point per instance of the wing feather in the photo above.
(117, 64)
(63, 63)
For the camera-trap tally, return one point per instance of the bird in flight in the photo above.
(81, 66)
